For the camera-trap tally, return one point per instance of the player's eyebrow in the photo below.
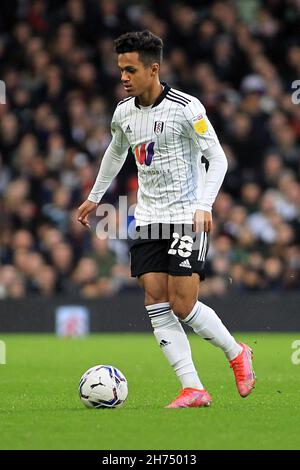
(128, 68)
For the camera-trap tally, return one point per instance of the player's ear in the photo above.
(154, 69)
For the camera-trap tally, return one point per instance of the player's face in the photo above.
(135, 76)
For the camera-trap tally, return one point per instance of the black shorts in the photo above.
(174, 249)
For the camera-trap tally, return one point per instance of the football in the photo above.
(103, 386)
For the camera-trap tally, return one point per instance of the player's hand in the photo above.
(202, 221)
(84, 210)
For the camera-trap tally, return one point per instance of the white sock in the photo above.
(174, 344)
(206, 323)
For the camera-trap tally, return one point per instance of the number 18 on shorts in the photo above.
(173, 249)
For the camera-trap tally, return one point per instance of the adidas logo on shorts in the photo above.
(185, 264)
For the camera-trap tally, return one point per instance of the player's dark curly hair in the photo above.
(145, 43)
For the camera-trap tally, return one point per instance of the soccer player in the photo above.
(181, 166)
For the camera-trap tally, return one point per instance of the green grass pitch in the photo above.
(40, 408)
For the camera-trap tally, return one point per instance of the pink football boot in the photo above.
(243, 371)
(191, 398)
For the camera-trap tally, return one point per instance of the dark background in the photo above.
(240, 59)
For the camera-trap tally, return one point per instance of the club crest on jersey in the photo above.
(144, 153)
(158, 127)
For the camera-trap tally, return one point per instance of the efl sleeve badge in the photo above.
(200, 124)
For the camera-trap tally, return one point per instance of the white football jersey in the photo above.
(168, 140)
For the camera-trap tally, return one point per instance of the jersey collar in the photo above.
(159, 99)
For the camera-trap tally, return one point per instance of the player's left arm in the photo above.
(203, 135)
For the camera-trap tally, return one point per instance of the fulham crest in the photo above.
(158, 127)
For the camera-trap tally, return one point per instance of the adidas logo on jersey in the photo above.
(185, 264)
(128, 130)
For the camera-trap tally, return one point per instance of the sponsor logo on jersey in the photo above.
(200, 124)
(158, 127)
(144, 153)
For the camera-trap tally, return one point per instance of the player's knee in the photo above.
(181, 306)
(152, 298)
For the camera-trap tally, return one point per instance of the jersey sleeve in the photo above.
(197, 126)
(119, 143)
(112, 161)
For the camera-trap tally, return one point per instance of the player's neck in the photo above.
(150, 96)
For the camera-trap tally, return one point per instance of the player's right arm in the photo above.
(112, 162)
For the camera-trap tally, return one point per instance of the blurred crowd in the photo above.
(240, 58)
